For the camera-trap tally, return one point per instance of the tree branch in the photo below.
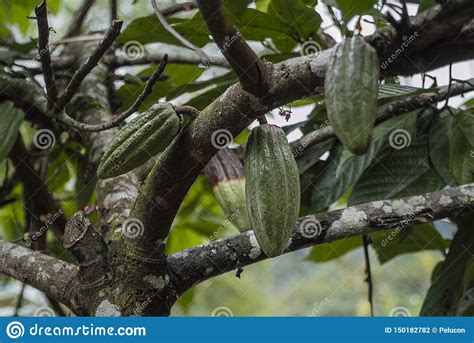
(112, 33)
(200, 263)
(43, 52)
(43, 272)
(78, 18)
(185, 6)
(250, 69)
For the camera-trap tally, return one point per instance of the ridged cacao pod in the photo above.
(140, 139)
(272, 189)
(226, 173)
(351, 88)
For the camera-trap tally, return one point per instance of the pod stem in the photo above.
(192, 112)
(262, 120)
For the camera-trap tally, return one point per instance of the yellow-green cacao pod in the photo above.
(351, 88)
(272, 188)
(139, 140)
(226, 173)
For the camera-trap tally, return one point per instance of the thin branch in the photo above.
(67, 120)
(19, 301)
(41, 12)
(78, 18)
(113, 10)
(161, 18)
(251, 70)
(43, 272)
(185, 6)
(200, 263)
(71, 89)
(368, 273)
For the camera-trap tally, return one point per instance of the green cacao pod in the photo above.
(139, 140)
(351, 88)
(226, 173)
(272, 189)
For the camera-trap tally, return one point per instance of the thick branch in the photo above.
(251, 71)
(206, 261)
(43, 272)
(43, 52)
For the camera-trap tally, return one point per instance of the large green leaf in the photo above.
(11, 119)
(302, 20)
(393, 91)
(257, 25)
(447, 289)
(345, 168)
(391, 243)
(439, 135)
(329, 251)
(351, 8)
(394, 173)
(466, 303)
(149, 30)
(178, 76)
(462, 147)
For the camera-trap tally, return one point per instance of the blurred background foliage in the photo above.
(325, 280)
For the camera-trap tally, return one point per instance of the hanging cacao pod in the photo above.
(351, 88)
(226, 173)
(139, 140)
(272, 188)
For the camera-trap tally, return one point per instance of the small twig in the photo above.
(446, 105)
(19, 301)
(78, 18)
(188, 110)
(185, 6)
(205, 59)
(262, 120)
(67, 120)
(113, 10)
(368, 273)
(112, 33)
(44, 54)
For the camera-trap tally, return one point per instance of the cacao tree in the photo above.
(121, 139)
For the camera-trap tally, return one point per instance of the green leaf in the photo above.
(329, 251)
(58, 172)
(308, 157)
(345, 168)
(302, 20)
(466, 303)
(392, 243)
(426, 4)
(447, 289)
(393, 91)
(394, 173)
(257, 25)
(351, 8)
(11, 119)
(462, 147)
(178, 76)
(149, 30)
(439, 135)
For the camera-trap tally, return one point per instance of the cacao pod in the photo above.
(226, 173)
(351, 88)
(272, 189)
(141, 138)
